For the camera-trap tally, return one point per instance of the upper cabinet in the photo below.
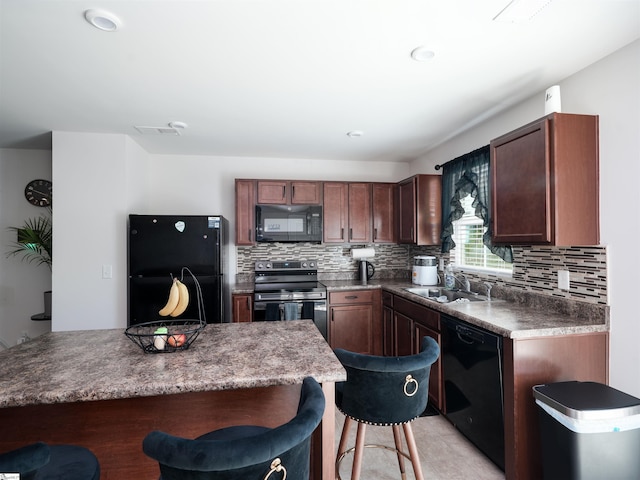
(419, 210)
(545, 183)
(245, 212)
(282, 192)
(347, 212)
(384, 219)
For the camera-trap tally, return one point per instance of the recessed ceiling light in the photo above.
(103, 20)
(355, 133)
(422, 54)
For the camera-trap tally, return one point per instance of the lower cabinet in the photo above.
(354, 321)
(408, 323)
(242, 307)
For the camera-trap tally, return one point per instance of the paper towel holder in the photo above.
(362, 253)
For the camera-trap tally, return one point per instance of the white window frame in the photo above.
(461, 230)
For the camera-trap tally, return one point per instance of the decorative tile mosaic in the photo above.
(534, 270)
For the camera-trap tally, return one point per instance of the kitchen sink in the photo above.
(440, 295)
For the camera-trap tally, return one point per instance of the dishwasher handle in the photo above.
(468, 335)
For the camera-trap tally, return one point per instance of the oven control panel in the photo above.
(286, 265)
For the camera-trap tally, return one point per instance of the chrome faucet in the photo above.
(489, 287)
(466, 285)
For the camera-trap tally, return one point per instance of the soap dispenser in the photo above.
(449, 278)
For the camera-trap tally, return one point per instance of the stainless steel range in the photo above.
(289, 290)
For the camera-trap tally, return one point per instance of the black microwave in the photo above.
(289, 223)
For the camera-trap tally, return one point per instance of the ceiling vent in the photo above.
(174, 128)
(521, 11)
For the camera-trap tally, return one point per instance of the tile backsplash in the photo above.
(534, 270)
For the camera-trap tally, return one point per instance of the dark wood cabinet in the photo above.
(242, 307)
(335, 212)
(388, 339)
(545, 181)
(245, 212)
(347, 212)
(411, 322)
(359, 212)
(284, 192)
(383, 209)
(355, 321)
(539, 360)
(419, 210)
(429, 326)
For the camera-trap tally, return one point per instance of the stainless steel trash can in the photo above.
(589, 431)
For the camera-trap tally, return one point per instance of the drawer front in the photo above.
(351, 296)
(417, 313)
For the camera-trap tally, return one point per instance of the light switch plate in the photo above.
(563, 279)
(107, 271)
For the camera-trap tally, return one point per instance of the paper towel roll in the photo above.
(361, 253)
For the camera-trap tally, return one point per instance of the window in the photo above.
(470, 251)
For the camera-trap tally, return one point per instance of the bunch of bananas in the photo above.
(178, 300)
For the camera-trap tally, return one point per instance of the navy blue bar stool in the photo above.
(390, 391)
(39, 461)
(243, 452)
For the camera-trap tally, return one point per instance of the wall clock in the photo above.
(39, 193)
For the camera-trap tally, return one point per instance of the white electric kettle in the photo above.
(425, 271)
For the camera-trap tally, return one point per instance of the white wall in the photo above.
(611, 89)
(102, 178)
(97, 179)
(21, 284)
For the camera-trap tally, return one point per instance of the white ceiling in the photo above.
(288, 78)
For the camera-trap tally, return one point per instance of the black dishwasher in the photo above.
(472, 370)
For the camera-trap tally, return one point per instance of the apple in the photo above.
(176, 340)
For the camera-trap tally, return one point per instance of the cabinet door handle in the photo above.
(293, 192)
(284, 188)
(342, 234)
(248, 303)
(375, 233)
(351, 297)
(249, 234)
(350, 233)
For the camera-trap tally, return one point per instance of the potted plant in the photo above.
(33, 243)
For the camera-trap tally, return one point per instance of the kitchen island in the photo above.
(98, 389)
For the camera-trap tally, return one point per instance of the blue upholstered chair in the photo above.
(388, 391)
(40, 461)
(243, 452)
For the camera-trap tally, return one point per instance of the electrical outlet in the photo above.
(563, 280)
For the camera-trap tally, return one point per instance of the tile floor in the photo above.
(444, 453)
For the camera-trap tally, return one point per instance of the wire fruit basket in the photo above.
(167, 336)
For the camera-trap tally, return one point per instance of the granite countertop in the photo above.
(518, 315)
(90, 365)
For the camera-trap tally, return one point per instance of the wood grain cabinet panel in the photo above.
(347, 212)
(545, 182)
(355, 322)
(245, 212)
(383, 208)
(285, 192)
(419, 210)
(242, 305)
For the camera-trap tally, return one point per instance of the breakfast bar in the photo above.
(98, 389)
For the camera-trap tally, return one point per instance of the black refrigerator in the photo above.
(162, 247)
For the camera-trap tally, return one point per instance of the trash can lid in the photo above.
(587, 400)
